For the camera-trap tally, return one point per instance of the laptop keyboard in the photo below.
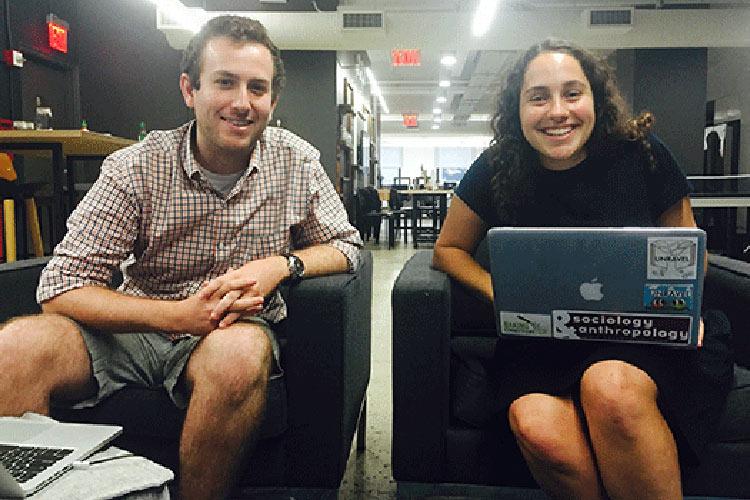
(25, 462)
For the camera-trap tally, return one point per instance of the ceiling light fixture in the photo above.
(437, 119)
(441, 99)
(448, 60)
(375, 89)
(189, 18)
(435, 126)
(436, 111)
(483, 17)
(444, 83)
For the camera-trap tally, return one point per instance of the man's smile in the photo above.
(238, 122)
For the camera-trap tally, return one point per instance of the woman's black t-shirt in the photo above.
(615, 188)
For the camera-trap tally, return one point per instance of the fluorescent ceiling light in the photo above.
(373, 81)
(383, 105)
(483, 17)
(437, 119)
(436, 111)
(375, 89)
(441, 99)
(448, 60)
(189, 18)
(436, 127)
(444, 83)
(475, 117)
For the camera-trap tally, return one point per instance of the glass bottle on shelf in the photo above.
(142, 131)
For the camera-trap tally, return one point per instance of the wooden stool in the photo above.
(11, 191)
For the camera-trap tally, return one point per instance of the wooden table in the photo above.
(66, 147)
(438, 198)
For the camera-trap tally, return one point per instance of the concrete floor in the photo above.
(368, 474)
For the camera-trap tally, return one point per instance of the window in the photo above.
(454, 162)
(390, 163)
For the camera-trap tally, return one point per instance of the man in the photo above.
(203, 219)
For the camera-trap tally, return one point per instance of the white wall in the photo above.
(415, 158)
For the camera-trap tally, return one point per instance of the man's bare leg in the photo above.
(552, 439)
(227, 374)
(42, 356)
(634, 447)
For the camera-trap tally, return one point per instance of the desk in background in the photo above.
(438, 200)
(66, 147)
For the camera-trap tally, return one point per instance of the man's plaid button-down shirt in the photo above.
(153, 212)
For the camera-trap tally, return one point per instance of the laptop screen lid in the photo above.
(78, 441)
(641, 285)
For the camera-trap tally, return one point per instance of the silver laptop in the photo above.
(34, 453)
(636, 285)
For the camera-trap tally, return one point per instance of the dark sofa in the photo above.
(441, 334)
(312, 412)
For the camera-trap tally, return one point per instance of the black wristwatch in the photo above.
(296, 268)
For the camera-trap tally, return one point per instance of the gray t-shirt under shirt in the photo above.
(223, 183)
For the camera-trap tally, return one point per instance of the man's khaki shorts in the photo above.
(148, 360)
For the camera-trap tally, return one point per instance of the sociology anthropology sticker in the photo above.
(624, 327)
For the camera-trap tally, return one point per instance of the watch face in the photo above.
(296, 267)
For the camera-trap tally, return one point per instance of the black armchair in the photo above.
(440, 336)
(368, 214)
(312, 412)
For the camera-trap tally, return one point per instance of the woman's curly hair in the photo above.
(513, 159)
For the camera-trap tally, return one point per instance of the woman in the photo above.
(592, 420)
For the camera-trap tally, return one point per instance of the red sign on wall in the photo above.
(58, 35)
(406, 57)
(410, 120)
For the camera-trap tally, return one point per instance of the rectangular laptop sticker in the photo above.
(527, 324)
(673, 257)
(627, 327)
(668, 297)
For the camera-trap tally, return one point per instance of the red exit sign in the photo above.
(406, 57)
(410, 120)
(57, 30)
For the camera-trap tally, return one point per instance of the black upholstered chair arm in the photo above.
(421, 300)
(18, 282)
(327, 356)
(727, 288)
